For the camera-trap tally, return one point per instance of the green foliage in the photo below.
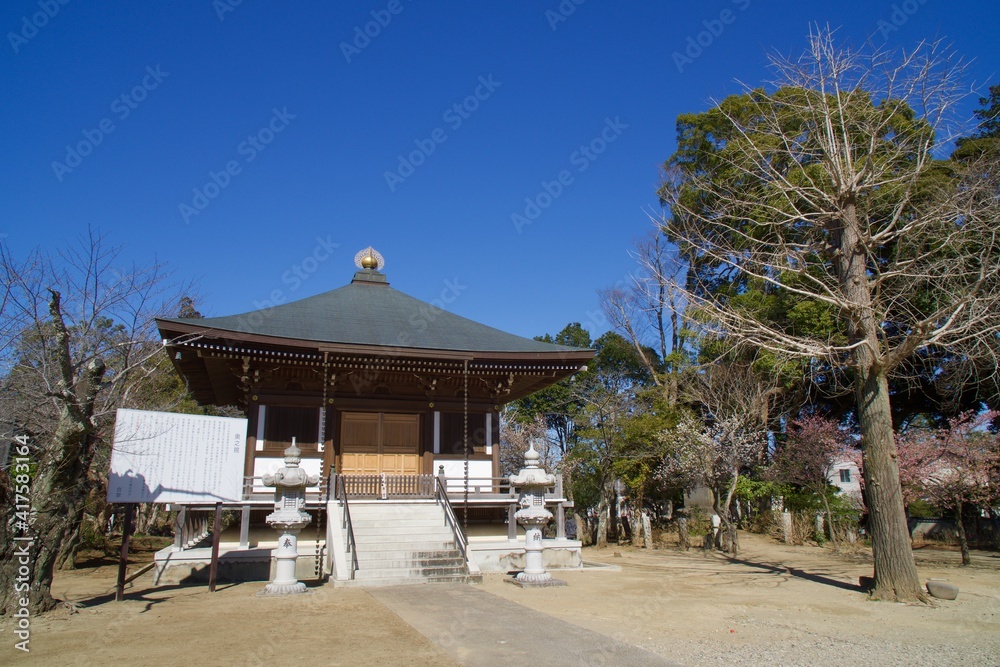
(640, 450)
(606, 418)
(920, 508)
(758, 169)
(842, 507)
(752, 491)
(989, 115)
(699, 522)
(559, 404)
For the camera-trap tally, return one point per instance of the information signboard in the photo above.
(165, 457)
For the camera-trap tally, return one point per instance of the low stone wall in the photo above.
(985, 532)
(192, 566)
(937, 530)
(508, 556)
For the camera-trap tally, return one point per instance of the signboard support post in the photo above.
(216, 538)
(123, 560)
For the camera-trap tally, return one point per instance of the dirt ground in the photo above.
(775, 605)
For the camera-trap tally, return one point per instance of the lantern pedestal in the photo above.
(288, 518)
(286, 556)
(531, 482)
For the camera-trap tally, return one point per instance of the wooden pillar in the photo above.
(253, 413)
(511, 522)
(216, 535)
(123, 560)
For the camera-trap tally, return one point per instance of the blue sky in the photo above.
(247, 144)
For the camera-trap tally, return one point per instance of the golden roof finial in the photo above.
(369, 258)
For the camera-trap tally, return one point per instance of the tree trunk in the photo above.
(636, 515)
(728, 538)
(583, 532)
(58, 490)
(684, 540)
(895, 572)
(58, 495)
(620, 523)
(66, 558)
(603, 512)
(146, 519)
(963, 540)
(673, 389)
(829, 517)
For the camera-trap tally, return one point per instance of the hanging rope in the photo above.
(465, 442)
(322, 414)
(321, 510)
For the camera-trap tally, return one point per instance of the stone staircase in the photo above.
(404, 542)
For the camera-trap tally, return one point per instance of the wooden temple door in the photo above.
(373, 443)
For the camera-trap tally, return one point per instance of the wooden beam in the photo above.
(213, 569)
(123, 559)
(141, 571)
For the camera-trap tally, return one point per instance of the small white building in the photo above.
(845, 475)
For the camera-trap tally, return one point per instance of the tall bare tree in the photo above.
(648, 307)
(77, 339)
(825, 186)
(517, 437)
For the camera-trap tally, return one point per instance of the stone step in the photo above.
(408, 563)
(449, 578)
(402, 568)
(404, 543)
(376, 539)
(393, 509)
(405, 554)
(411, 581)
(402, 531)
(433, 513)
(396, 545)
(390, 522)
(400, 573)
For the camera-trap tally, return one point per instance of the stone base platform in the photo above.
(508, 555)
(545, 583)
(235, 564)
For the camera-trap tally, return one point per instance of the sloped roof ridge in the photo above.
(373, 313)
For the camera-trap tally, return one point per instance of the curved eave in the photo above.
(178, 333)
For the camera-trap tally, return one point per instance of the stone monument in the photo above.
(288, 518)
(530, 483)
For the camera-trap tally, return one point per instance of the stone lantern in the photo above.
(288, 518)
(531, 482)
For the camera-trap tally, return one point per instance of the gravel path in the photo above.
(777, 605)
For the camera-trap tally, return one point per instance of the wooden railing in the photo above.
(267, 493)
(494, 488)
(480, 487)
(385, 487)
